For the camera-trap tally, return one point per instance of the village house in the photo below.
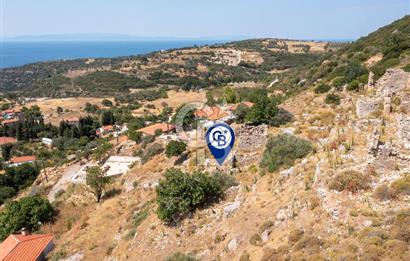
(9, 122)
(47, 141)
(10, 114)
(104, 130)
(15, 161)
(210, 115)
(157, 127)
(26, 247)
(7, 140)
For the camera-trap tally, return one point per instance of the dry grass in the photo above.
(73, 106)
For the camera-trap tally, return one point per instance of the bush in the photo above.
(353, 86)
(135, 136)
(402, 185)
(181, 257)
(175, 148)
(283, 150)
(401, 226)
(322, 88)
(332, 99)
(6, 193)
(107, 103)
(181, 193)
(153, 150)
(350, 181)
(338, 82)
(406, 68)
(240, 113)
(28, 213)
(385, 192)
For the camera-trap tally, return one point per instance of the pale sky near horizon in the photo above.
(297, 19)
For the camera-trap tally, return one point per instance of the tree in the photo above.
(6, 193)
(59, 110)
(6, 151)
(240, 112)
(210, 100)
(283, 150)
(181, 193)
(263, 112)
(135, 136)
(175, 148)
(229, 95)
(28, 213)
(107, 118)
(97, 181)
(107, 103)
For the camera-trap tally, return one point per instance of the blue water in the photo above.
(20, 53)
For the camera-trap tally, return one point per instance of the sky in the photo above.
(294, 19)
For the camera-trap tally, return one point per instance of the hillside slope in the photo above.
(189, 68)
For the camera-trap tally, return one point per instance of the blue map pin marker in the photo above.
(220, 139)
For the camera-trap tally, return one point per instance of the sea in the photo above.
(17, 53)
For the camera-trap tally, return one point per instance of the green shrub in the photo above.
(350, 181)
(406, 68)
(6, 193)
(353, 86)
(181, 257)
(332, 99)
(28, 213)
(135, 136)
(107, 103)
(138, 218)
(283, 150)
(150, 152)
(338, 82)
(175, 148)
(322, 88)
(181, 193)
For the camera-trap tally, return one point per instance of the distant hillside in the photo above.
(351, 65)
(189, 68)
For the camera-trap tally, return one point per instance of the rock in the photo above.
(403, 132)
(367, 223)
(290, 131)
(204, 255)
(231, 208)
(76, 257)
(281, 215)
(233, 244)
(265, 235)
(334, 213)
(365, 106)
(287, 172)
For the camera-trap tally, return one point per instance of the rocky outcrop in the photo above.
(403, 132)
(366, 106)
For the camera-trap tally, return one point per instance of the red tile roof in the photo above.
(150, 130)
(16, 160)
(108, 128)
(211, 113)
(9, 121)
(5, 140)
(27, 248)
